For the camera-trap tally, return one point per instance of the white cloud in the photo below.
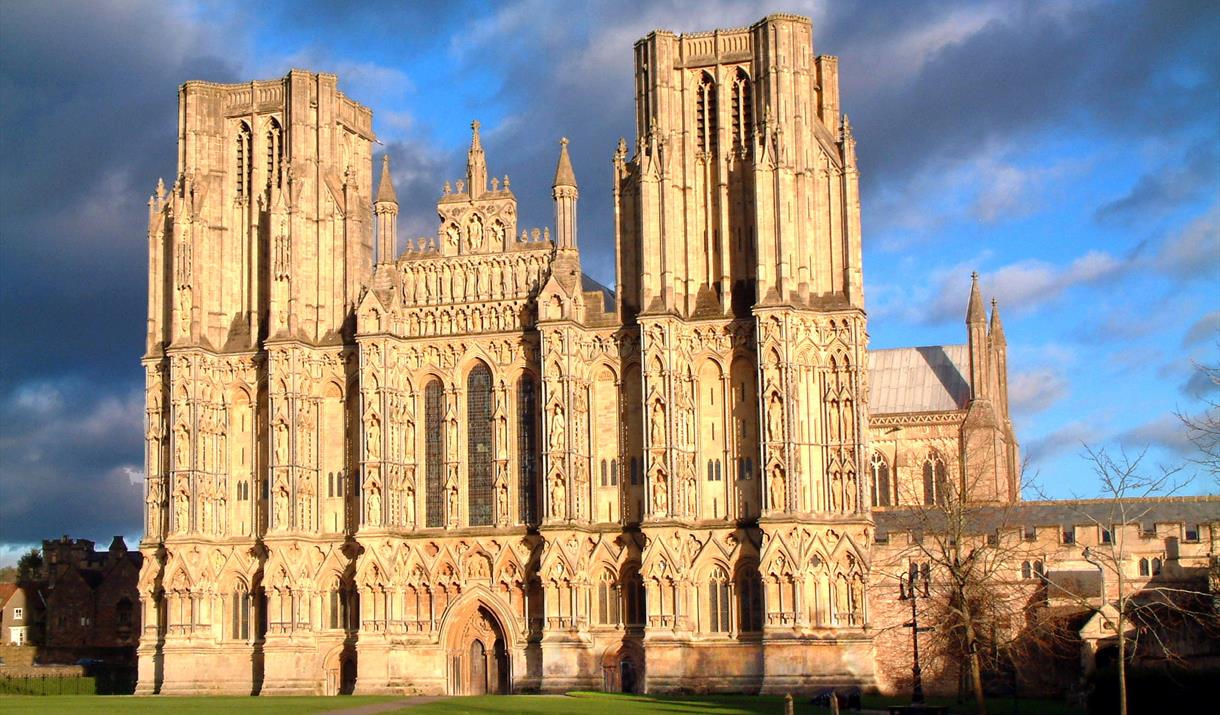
(1194, 252)
(1034, 391)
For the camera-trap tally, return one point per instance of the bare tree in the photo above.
(971, 552)
(1203, 429)
(1127, 485)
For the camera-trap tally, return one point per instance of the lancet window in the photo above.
(275, 153)
(718, 606)
(433, 453)
(706, 111)
(742, 112)
(244, 155)
(935, 482)
(239, 626)
(527, 447)
(880, 470)
(607, 599)
(749, 600)
(478, 446)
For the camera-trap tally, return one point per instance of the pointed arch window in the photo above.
(706, 111)
(718, 606)
(433, 453)
(935, 481)
(742, 112)
(478, 446)
(239, 626)
(607, 599)
(275, 153)
(749, 600)
(245, 161)
(881, 480)
(527, 447)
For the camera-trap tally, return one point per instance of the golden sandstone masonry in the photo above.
(468, 468)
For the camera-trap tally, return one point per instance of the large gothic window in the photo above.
(433, 453)
(478, 445)
(527, 447)
(636, 599)
(881, 480)
(718, 601)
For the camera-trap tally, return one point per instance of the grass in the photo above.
(123, 704)
(583, 703)
(995, 705)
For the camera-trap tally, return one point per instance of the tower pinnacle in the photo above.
(476, 164)
(564, 176)
(975, 312)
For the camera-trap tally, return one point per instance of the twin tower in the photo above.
(466, 468)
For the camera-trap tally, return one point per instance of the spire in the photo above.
(997, 328)
(385, 189)
(564, 176)
(975, 313)
(476, 164)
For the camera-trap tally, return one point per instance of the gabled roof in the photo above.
(934, 378)
(6, 592)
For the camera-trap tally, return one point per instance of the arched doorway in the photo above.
(478, 656)
(622, 667)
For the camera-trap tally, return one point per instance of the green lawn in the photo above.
(123, 704)
(581, 703)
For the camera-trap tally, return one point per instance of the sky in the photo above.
(1067, 151)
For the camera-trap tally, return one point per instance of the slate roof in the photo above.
(1064, 514)
(934, 378)
(588, 284)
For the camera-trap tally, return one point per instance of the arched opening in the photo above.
(478, 662)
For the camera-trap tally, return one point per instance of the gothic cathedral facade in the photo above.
(467, 468)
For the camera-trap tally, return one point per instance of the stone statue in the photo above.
(691, 506)
(281, 507)
(475, 233)
(657, 426)
(660, 493)
(557, 429)
(372, 438)
(502, 505)
(281, 442)
(181, 512)
(374, 508)
(453, 502)
(775, 419)
(777, 488)
(452, 235)
(559, 498)
(409, 506)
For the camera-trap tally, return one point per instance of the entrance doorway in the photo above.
(478, 660)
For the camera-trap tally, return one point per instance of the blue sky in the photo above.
(1068, 151)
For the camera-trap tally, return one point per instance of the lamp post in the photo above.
(911, 587)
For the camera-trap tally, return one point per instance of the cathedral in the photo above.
(465, 467)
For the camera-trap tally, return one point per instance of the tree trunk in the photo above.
(976, 673)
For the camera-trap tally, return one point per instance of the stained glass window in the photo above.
(434, 453)
(527, 448)
(478, 445)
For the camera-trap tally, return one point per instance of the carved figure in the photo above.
(657, 426)
(281, 507)
(372, 438)
(373, 517)
(559, 497)
(775, 419)
(777, 488)
(557, 429)
(409, 504)
(690, 496)
(475, 233)
(281, 442)
(181, 512)
(660, 492)
(452, 235)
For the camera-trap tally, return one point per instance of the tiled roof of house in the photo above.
(934, 378)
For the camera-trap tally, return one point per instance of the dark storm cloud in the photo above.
(71, 461)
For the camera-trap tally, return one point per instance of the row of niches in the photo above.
(469, 280)
(449, 242)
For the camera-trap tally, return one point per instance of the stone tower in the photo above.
(258, 253)
(739, 251)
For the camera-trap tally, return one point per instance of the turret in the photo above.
(386, 208)
(476, 164)
(999, 357)
(565, 193)
(976, 332)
